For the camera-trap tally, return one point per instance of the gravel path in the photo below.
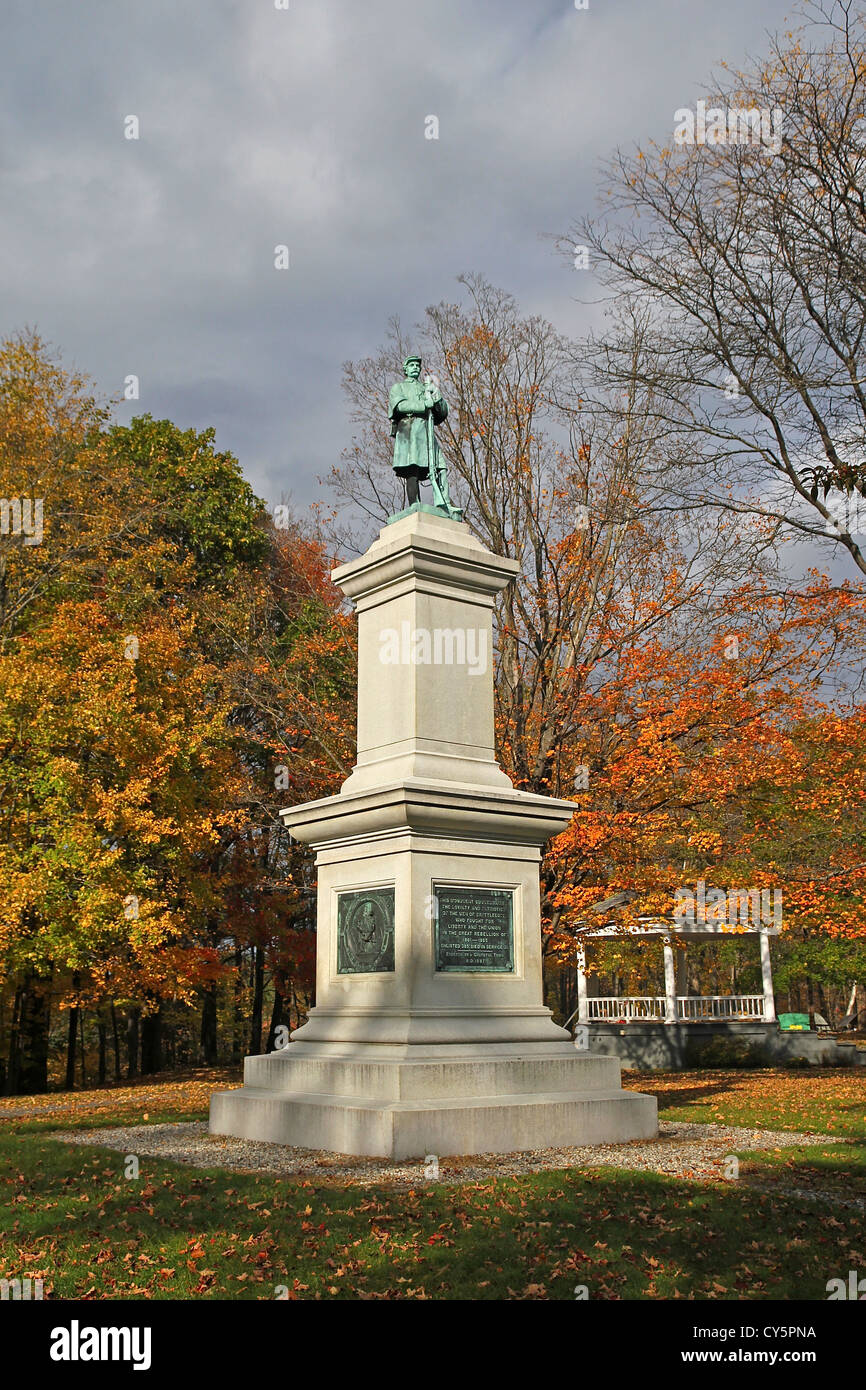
(696, 1151)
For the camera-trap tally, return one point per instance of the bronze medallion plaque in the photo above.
(474, 929)
(365, 931)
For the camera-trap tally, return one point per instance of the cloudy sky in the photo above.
(305, 127)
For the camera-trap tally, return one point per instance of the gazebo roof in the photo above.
(685, 926)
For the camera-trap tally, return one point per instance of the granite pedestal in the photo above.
(429, 1035)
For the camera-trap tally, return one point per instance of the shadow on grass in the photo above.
(73, 1219)
(838, 1170)
(677, 1088)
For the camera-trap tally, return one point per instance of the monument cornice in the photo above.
(416, 552)
(512, 817)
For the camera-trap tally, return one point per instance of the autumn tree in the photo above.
(46, 415)
(735, 256)
(162, 649)
(292, 677)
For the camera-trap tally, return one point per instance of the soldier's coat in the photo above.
(406, 409)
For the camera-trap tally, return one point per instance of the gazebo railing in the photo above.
(629, 1006)
(709, 1006)
(694, 1008)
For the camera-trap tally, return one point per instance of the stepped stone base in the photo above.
(431, 1100)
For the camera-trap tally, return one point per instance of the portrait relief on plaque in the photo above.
(473, 929)
(365, 931)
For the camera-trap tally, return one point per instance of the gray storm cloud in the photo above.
(305, 127)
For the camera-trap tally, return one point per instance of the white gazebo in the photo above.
(676, 1005)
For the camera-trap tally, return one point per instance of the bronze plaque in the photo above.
(365, 931)
(474, 929)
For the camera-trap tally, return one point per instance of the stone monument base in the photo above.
(402, 1102)
(429, 1035)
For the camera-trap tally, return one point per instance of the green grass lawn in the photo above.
(831, 1102)
(72, 1218)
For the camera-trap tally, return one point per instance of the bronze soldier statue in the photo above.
(414, 407)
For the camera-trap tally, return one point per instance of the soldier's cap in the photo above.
(413, 358)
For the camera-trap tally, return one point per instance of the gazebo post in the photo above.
(582, 1005)
(767, 976)
(670, 981)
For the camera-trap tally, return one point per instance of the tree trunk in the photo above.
(132, 1037)
(276, 1020)
(13, 1069)
(116, 1036)
(102, 1034)
(208, 1036)
(151, 1043)
(237, 1016)
(81, 1049)
(27, 1072)
(258, 1000)
(71, 1038)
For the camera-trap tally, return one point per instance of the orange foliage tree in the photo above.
(161, 647)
